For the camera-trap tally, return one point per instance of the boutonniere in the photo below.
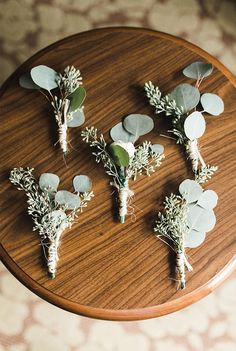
(52, 211)
(66, 99)
(122, 159)
(185, 220)
(186, 106)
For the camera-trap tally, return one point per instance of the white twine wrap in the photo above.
(63, 137)
(194, 154)
(181, 262)
(124, 196)
(53, 258)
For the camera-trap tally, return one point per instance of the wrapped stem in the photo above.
(194, 154)
(62, 130)
(124, 195)
(181, 262)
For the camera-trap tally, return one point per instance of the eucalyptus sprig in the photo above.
(188, 124)
(121, 159)
(52, 211)
(186, 219)
(66, 102)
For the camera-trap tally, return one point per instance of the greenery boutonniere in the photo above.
(52, 211)
(124, 161)
(67, 101)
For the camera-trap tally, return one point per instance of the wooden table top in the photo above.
(106, 269)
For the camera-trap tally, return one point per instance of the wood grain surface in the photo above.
(106, 269)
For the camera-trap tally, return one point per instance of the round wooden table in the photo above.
(106, 269)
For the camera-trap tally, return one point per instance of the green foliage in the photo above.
(76, 99)
(198, 70)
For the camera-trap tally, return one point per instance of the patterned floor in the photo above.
(27, 323)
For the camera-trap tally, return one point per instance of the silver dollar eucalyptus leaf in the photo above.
(208, 199)
(138, 124)
(194, 238)
(157, 148)
(26, 82)
(185, 96)
(78, 118)
(190, 190)
(200, 219)
(118, 132)
(45, 77)
(58, 214)
(67, 199)
(82, 184)
(198, 70)
(49, 182)
(194, 125)
(212, 104)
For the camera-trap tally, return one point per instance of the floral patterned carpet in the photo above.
(28, 323)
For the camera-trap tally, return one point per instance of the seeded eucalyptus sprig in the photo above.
(121, 159)
(52, 211)
(188, 124)
(66, 102)
(185, 220)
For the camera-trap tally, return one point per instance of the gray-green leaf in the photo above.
(201, 219)
(78, 118)
(157, 148)
(138, 124)
(77, 98)
(58, 214)
(119, 155)
(49, 182)
(212, 104)
(190, 190)
(208, 199)
(198, 70)
(26, 82)
(185, 96)
(194, 125)
(67, 199)
(82, 184)
(118, 132)
(45, 77)
(194, 238)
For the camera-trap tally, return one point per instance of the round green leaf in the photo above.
(82, 184)
(198, 70)
(77, 98)
(118, 132)
(185, 96)
(26, 82)
(208, 199)
(67, 199)
(157, 148)
(49, 182)
(138, 125)
(45, 77)
(58, 214)
(200, 219)
(190, 190)
(194, 238)
(212, 104)
(78, 118)
(194, 125)
(119, 155)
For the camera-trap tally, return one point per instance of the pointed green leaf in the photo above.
(26, 82)
(198, 70)
(77, 98)
(78, 118)
(212, 104)
(190, 190)
(118, 132)
(45, 77)
(82, 184)
(185, 96)
(138, 124)
(194, 125)
(208, 199)
(119, 155)
(67, 199)
(194, 238)
(49, 182)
